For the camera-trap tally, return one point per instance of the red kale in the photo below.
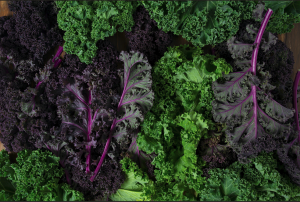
(10, 135)
(106, 183)
(215, 151)
(254, 121)
(25, 110)
(80, 90)
(278, 61)
(289, 154)
(146, 37)
(31, 32)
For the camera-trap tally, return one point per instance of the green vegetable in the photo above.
(132, 188)
(35, 177)
(86, 22)
(177, 121)
(260, 180)
(286, 14)
(212, 22)
(201, 22)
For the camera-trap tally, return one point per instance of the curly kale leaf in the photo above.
(146, 38)
(175, 125)
(286, 14)
(201, 22)
(80, 90)
(136, 100)
(87, 22)
(243, 102)
(31, 32)
(35, 177)
(278, 61)
(260, 180)
(25, 108)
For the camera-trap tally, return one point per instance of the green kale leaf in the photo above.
(86, 22)
(35, 177)
(286, 14)
(260, 180)
(133, 186)
(201, 22)
(176, 123)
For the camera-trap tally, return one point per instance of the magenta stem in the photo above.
(56, 64)
(258, 40)
(295, 102)
(126, 75)
(105, 151)
(88, 148)
(254, 61)
(55, 59)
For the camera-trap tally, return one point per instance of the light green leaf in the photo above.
(132, 188)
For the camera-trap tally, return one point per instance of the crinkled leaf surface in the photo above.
(243, 101)
(137, 97)
(201, 22)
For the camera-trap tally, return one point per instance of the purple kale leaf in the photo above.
(81, 91)
(32, 103)
(244, 103)
(215, 151)
(13, 134)
(278, 60)
(136, 100)
(146, 37)
(31, 32)
(25, 110)
(88, 100)
(83, 112)
(289, 154)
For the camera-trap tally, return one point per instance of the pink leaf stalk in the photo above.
(56, 64)
(113, 126)
(90, 120)
(254, 61)
(126, 89)
(56, 60)
(258, 40)
(105, 151)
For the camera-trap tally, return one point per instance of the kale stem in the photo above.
(258, 40)
(105, 151)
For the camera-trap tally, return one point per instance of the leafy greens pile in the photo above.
(212, 22)
(158, 122)
(179, 119)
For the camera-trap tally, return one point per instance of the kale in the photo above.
(278, 61)
(244, 101)
(146, 37)
(31, 32)
(35, 177)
